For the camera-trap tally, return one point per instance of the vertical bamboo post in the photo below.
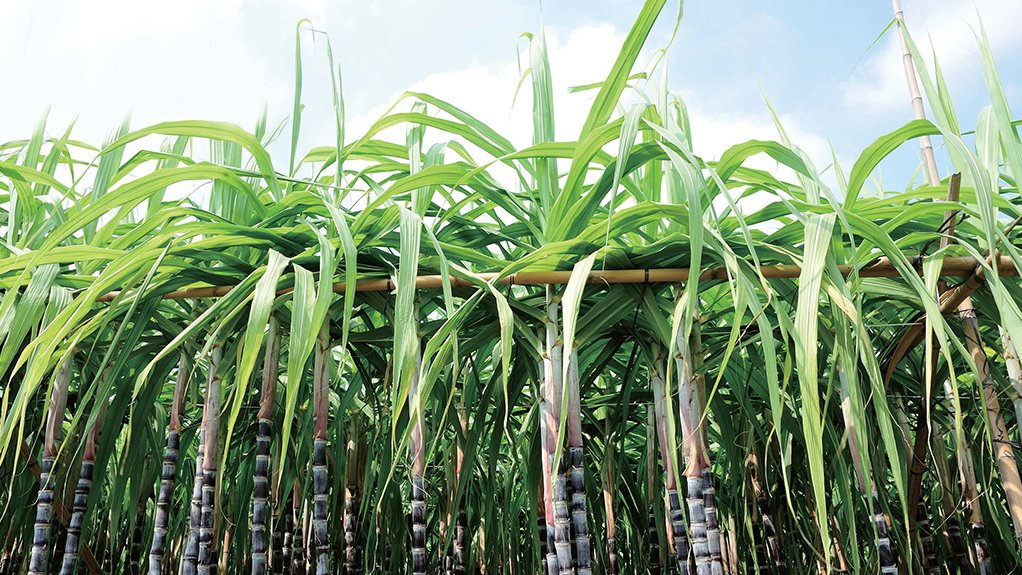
(925, 145)
(966, 306)
(1004, 454)
(1014, 368)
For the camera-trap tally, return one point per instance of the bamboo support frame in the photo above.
(952, 267)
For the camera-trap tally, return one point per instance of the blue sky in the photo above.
(814, 59)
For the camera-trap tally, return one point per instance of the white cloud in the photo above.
(99, 60)
(945, 27)
(487, 91)
(315, 10)
(713, 133)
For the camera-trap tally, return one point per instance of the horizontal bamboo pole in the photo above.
(952, 267)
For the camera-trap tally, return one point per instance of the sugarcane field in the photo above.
(539, 313)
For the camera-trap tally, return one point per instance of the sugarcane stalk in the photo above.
(768, 548)
(839, 551)
(712, 526)
(977, 530)
(63, 516)
(352, 547)
(276, 539)
(44, 502)
(562, 519)
(461, 522)
(287, 539)
(541, 525)
(696, 457)
(298, 561)
(952, 529)
(608, 503)
(678, 528)
(697, 524)
(261, 477)
(81, 497)
(190, 565)
(460, 542)
(653, 534)
(445, 553)
(169, 471)
(557, 525)
(579, 512)
(321, 376)
(731, 563)
(353, 472)
(654, 544)
(760, 558)
(929, 555)
(695, 359)
(759, 538)
(135, 547)
(444, 556)
(549, 560)
(967, 479)
(417, 455)
(864, 478)
(482, 549)
(207, 555)
(383, 556)
(888, 560)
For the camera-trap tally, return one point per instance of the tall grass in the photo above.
(791, 405)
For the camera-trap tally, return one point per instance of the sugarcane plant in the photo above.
(596, 351)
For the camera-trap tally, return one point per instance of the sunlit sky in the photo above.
(818, 62)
